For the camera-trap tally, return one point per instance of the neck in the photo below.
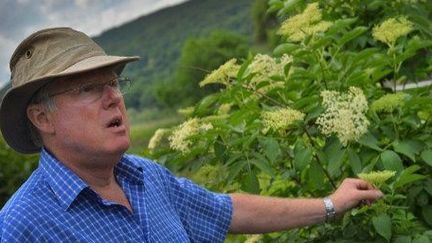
(96, 171)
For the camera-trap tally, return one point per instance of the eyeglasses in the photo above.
(90, 92)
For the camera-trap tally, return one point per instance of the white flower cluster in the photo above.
(156, 138)
(264, 67)
(224, 109)
(377, 178)
(180, 139)
(223, 74)
(389, 102)
(281, 119)
(307, 23)
(344, 115)
(392, 29)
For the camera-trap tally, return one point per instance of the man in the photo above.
(66, 103)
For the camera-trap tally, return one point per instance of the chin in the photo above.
(122, 148)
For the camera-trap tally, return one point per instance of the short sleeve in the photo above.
(206, 215)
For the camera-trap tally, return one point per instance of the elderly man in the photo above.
(66, 103)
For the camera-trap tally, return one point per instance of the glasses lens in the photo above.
(123, 84)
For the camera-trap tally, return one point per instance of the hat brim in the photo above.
(13, 114)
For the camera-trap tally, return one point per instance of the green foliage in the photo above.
(159, 37)
(264, 22)
(14, 170)
(198, 57)
(336, 68)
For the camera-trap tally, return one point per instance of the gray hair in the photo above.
(43, 98)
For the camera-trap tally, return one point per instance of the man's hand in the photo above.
(351, 193)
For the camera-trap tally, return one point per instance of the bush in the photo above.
(298, 122)
(14, 170)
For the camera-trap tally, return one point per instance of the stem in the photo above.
(321, 61)
(394, 126)
(275, 102)
(318, 159)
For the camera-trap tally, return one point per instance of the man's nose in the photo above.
(111, 96)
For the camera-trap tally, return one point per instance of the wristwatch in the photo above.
(330, 210)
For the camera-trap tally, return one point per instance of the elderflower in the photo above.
(281, 119)
(180, 139)
(391, 29)
(266, 89)
(224, 108)
(187, 111)
(223, 74)
(389, 102)
(344, 115)
(264, 67)
(307, 23)
(156, 138)
(377, 178)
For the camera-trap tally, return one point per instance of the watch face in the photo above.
(330, 210)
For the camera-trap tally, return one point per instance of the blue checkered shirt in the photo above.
(55, 205)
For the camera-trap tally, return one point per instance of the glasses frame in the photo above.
(81, 87)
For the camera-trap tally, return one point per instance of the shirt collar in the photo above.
(66, 185)
(133, 172)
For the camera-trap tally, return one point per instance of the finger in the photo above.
(370, 195)
(363, 185)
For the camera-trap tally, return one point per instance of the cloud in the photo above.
(7, 47)
(20, 18)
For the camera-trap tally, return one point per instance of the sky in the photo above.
(20, 18)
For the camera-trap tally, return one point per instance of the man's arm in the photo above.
(258, 214)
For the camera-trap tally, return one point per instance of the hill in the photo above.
(159, 37)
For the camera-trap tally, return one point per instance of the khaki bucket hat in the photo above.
(39, 59)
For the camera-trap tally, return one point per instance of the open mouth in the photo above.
(116, 122)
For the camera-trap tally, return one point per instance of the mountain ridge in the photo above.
(158, 38)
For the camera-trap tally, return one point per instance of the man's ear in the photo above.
(40, 117)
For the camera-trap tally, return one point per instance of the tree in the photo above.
(199, 56)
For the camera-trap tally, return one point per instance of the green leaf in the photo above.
(391, 161)
(220, 150)
(335, 154)
(370, 141)
(383, 226)
(428, 186)
(289, 4)
(403, 239)
(313, 99)
(426, 156)
(263, 166)
(271, 148)
(235, 169)
(315, 176)
(341, 24)
(354, 161)
(205, 103)
(302, 156)
(352, 35)
(250, 183)
(285, 48)
(314, 113)
(427, 214)
(408, 148)
(407, 176)
(422, 239)
(365, 54)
